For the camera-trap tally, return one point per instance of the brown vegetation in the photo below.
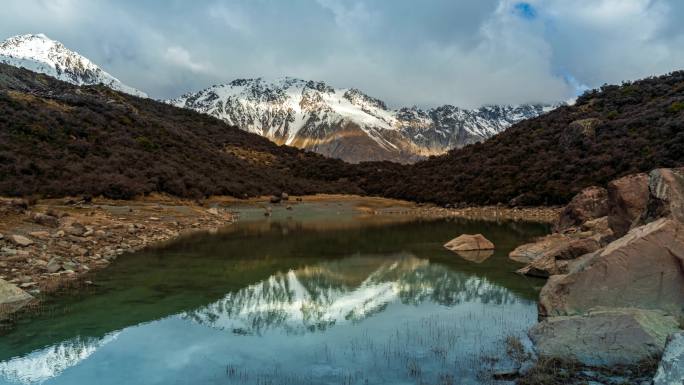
(57, 139)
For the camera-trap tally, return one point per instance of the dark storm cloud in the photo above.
(403, 51)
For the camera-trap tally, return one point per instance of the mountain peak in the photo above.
(39, 53)
(346, 123)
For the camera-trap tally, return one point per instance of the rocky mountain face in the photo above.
(346, 123)
(40, 54)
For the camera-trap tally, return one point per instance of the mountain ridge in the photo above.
(39, 53)
(346, 123)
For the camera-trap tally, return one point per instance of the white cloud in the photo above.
(181, 57)
(234, 18)
(405, 52)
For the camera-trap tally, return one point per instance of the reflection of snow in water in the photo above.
(453, 320)
(313, 298)
(47, 363)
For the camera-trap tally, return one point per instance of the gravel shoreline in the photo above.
(46, 246)
(50, 244)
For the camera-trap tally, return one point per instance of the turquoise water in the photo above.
(313, 296)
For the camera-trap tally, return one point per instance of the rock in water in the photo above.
(590, 203)
(671, 368)
(627, 200)
(604, 337)
(12, 299)
(644, 269)
(467, 242)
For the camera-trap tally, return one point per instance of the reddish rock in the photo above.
(643, 269)
(467, 242)
(555, 261)
(627, 200)
(531, 251)
(590, 203)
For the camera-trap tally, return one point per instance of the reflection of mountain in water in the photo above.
(44, 364)
(313, 298)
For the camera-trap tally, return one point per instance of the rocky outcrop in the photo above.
(531, 251)
(579, 131)
(550, 255)
(468, 242)
(615, 292)
(627, 200)
(590, 203)
(666, 199)
(642, 269)
(604, 336)
(671, 368)
(12, 299)
(560, 261)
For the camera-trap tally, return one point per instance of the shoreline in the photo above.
(54, 243)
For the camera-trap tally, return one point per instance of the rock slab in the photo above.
(627, 200)
(605, 337)
(666, 188)
(644, 269)
(12, 299)
(590, 203)
(671, 368)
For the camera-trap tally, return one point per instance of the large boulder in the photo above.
(666, 188)
(590, 203)
(557, 261)
(627, 200)
(531, 251)
(644, 269)
(467, 242)
(671, 368)
(604, 337)
(12, 299)
(550, 254)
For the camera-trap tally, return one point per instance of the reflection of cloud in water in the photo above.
(316, 297)
(41, 365)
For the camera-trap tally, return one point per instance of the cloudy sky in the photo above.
(406, 52)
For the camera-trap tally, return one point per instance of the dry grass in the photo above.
(556, 371)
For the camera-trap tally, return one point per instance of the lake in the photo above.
(316, 295)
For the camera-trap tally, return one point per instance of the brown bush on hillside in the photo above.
(57, 139)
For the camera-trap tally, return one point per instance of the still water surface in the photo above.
(315, 296)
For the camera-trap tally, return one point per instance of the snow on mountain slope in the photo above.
(39, 53)
(346, 123)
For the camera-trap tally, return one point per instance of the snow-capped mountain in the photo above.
(346, 123)
(39, 53)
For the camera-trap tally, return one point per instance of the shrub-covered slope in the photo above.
(58, 139)
(610, 132)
